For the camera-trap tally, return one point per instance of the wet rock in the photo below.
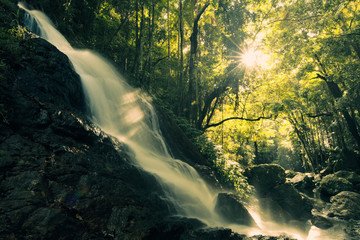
(331, 185)
(288, 198)
(321, 222)
(232, 210)
(265, 177)
(62, 177)
(345, 205)
(272, 211)
(48, 76)
(192, 229)
(5, 159)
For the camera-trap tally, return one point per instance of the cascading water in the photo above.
(125, 113)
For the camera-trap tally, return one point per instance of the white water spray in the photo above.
(125, 113)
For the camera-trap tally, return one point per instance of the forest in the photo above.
(249, 81)
(205, 119)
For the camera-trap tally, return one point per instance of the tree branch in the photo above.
(236, 118)
(319, 115)
(159, 60)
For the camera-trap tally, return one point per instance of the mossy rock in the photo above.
(265, 177)
(331, 185)
(348, 175)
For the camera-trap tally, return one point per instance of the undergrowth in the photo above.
(229, 172)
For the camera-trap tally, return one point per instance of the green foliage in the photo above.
(12, 38)
(307, 125)
(230, 173)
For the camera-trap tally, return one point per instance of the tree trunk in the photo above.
(168, 34)
(180, 84)
(191, 103)
(139, 34)
(150, 46)
(337, 93)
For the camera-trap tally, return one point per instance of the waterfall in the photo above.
(125, 113)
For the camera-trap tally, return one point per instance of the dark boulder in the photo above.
(288, 198)
(279, 200)
(345, 205)
(272, 211)
(331, 185)
(265, 177)
(229, 207)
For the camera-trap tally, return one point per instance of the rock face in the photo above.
(232, 210)
(60, 176)
(48, 77)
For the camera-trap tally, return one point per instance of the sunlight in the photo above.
(249, 58)
(252, 57)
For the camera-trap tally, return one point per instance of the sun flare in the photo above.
(252, 57)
